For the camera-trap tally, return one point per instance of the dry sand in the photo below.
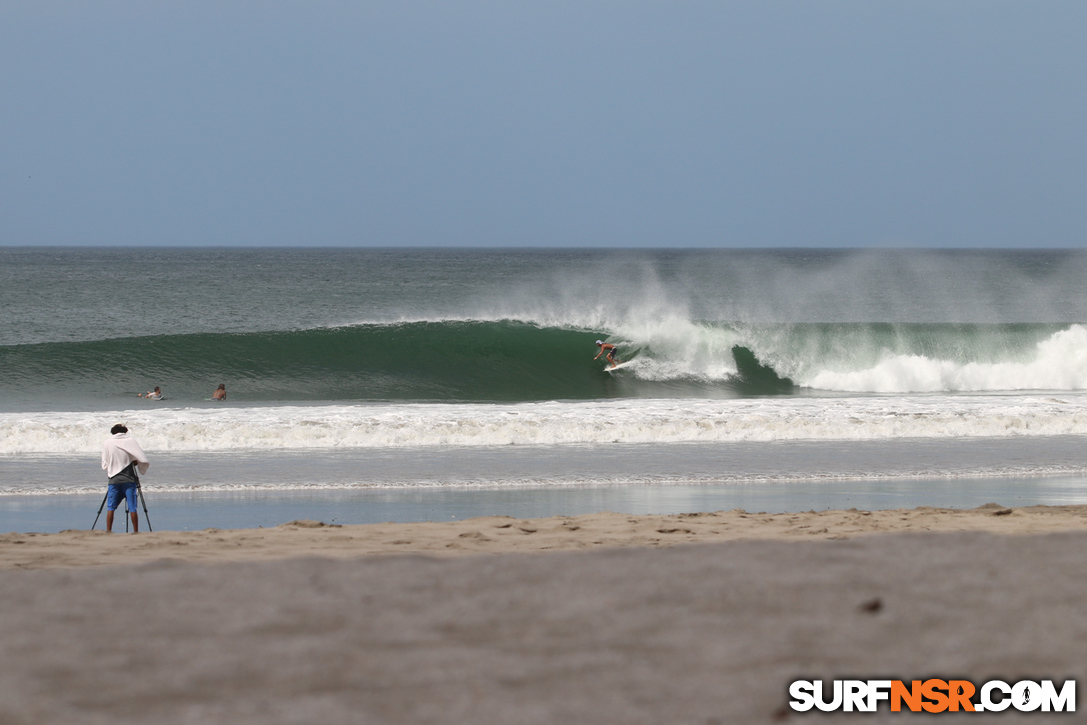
(360, 624)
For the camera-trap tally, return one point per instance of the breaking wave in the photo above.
(512, 360)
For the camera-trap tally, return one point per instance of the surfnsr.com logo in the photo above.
(932, 696)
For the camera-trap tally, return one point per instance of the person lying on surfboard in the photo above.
(609, 349)
(155, 394)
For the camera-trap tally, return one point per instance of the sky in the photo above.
(890, 123)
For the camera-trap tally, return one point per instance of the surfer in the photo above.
(121, 458)
(220, 392)
(155, 394)
(607, 347)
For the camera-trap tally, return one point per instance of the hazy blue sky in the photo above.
(549, 123)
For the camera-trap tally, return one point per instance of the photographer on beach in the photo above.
(121, 457)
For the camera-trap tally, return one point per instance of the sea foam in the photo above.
(552, 423)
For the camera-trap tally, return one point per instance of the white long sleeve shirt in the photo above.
(118, 451)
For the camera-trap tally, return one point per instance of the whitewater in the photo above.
(331, 426)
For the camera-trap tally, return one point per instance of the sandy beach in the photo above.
(701, 618)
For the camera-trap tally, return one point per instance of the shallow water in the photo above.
(227, 490)
(190, 511)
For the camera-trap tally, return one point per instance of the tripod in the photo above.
(143, 500)
(139, 492)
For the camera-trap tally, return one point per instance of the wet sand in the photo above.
(500, 534)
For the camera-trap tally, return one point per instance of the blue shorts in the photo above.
(117, 491)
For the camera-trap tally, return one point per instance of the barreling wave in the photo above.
(510, 361)
(446, 360)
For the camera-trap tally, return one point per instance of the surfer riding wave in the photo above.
(607, 347)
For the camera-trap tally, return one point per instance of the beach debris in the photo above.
(309, 524)
(871, 606)
(782, 713)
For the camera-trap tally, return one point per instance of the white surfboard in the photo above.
(620, 366)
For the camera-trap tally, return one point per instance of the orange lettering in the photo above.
(960, 698)
(911, 696)
(931, 690)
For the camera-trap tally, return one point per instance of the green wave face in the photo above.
(488, 361)
(516, 361)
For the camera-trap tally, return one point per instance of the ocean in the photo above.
(428, 384)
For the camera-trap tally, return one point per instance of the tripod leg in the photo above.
(100, 510)
(143, 500)
(126, 514)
